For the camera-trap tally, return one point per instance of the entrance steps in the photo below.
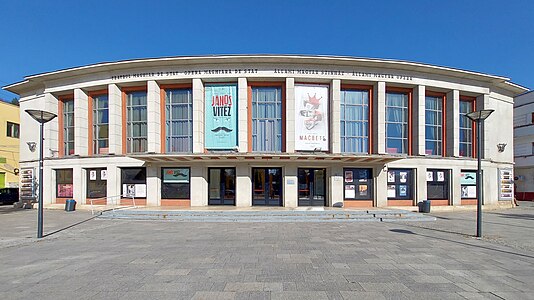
(297, 215)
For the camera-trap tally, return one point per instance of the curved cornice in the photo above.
(34, 81)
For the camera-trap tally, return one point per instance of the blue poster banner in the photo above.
(220, 114)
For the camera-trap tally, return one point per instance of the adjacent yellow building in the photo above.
(9, 144)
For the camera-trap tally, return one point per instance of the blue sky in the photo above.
(494, 37)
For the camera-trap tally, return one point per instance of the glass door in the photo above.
(221, 186)
(267, 187)
(312, 187)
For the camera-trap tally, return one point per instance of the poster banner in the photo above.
(220, 116)
(311, 117)
(176, 175)
(506, 184)
(468, 178)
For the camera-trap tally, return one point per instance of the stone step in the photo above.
(266, 216)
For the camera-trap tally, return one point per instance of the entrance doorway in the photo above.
(221, 186)
(312, 187)
(267, 186)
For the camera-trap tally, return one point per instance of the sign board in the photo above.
(506, 184)
(220, 114)
(311, 117)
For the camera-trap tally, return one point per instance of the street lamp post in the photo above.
(42, 117)
(479, 116)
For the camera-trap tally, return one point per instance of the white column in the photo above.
(453, 123)
(482, 102)
(420, 188)
(198, 117)
(153, 117)
(379, 118)
(381, 177)
(335, 107)
(456, 196)
(199, 186)
(115, 119)
(153, 187)
(51, 129)
(290, 115)
(336, 188)
(49, 181)
(114, 188)
(419, 120)
(242, 114)
(81, 115)
(290, 186)
(78, 183)
(243, 186)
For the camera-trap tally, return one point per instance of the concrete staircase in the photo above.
(267, 215)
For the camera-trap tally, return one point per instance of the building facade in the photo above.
(9, 145)
(524, 146)
(275, 130)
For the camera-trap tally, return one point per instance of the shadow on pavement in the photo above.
(403, 231)
(69, 226)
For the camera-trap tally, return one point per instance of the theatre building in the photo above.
(268, 130)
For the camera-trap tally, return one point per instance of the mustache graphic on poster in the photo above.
(220, 116)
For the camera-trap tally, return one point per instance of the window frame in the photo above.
(133, 182)
(443, 97)
(357, 182)
(91, 118)
(12, 130)
(60, 181)
(163, 119)
(410, 183)
(369, 89)
(187, 185)
(472, 100)
(61, 124)
(446, 183)
(409, 123)
(125, 91)
(96, 182)
(250, 87)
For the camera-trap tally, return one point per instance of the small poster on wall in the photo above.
(402, 190)
(463, 192)
(391, 176)
(140, 190)
(403, 177)
(104, 175)
(471, 191)
(92, 175)
(363, 190)
(429, 176)
(441, 176)
(391, 191)
(506, 184)
(350, 192)
(349, 176)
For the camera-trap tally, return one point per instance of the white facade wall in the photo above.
(380, 77)
(523, 146)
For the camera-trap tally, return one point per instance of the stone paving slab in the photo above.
(84, 258)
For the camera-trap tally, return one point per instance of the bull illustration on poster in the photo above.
(311, 128)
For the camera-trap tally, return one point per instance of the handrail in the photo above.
(114, 201)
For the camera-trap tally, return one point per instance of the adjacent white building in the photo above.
(524, 146)
(275, 130)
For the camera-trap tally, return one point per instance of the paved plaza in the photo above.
(90, 258)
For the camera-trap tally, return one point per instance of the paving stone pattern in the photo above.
(126, 259)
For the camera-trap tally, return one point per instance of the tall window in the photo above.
(178, 120)
(68, 126)
(64, 186)
(100, 124)
(12, 130)
(354, 121)
(397, 122)
(136, 122)
(434, 125)
(466, 128)
(267, 119)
